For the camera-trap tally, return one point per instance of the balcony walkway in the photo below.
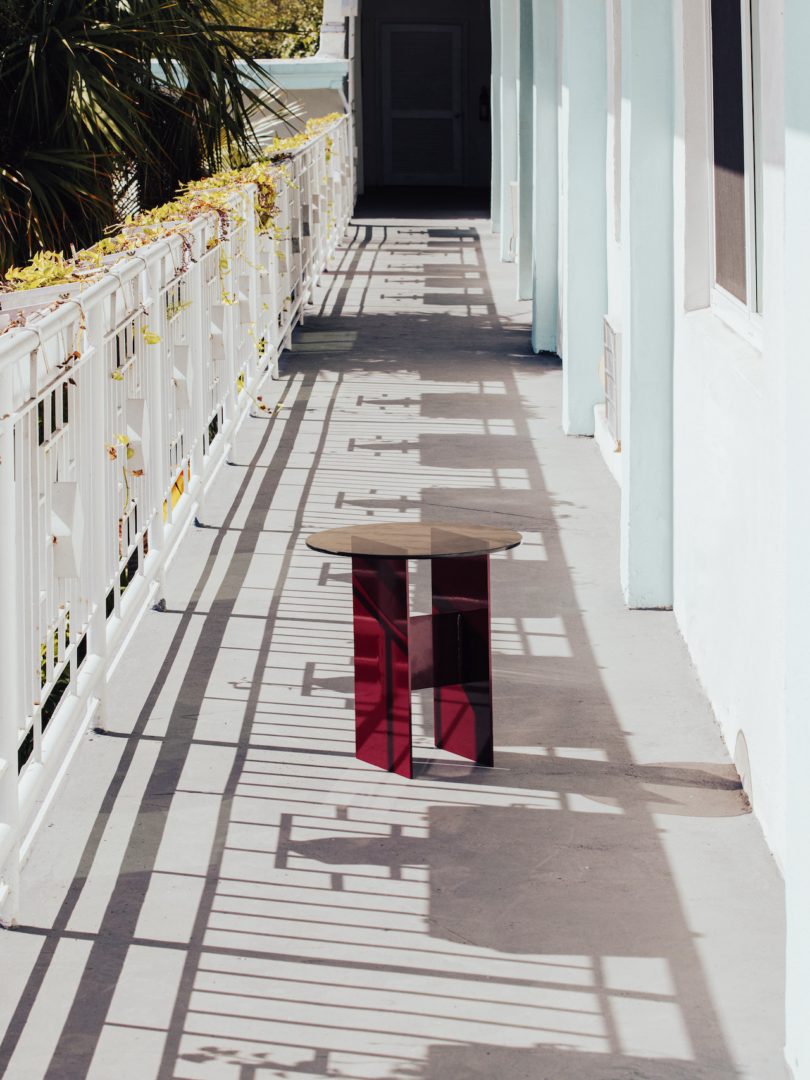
(221, 891)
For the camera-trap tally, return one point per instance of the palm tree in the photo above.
(101, 93)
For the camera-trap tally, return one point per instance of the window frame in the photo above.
(745, 318)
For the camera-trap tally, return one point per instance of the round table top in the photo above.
(414, 540)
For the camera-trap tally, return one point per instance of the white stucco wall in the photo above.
(729, 543)
(721, 387)
(797, 606)
(728, 440)
(734, 388)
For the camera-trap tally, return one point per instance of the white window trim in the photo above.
(743, 318)
(748, 324)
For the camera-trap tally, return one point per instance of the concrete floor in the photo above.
(222, 892)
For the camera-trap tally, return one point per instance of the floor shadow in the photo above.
(544, 878)
(560, 1063)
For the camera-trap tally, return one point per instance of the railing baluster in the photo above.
(96, 528)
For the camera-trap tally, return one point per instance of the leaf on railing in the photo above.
(150, 337)
(266, 408)
(117, 376)
(175, 309)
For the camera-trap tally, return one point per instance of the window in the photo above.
(737, 163)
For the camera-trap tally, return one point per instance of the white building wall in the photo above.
(797, 608)
(737, 401)
(728, 437)
(704, 501)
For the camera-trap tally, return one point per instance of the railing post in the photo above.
(158, 428)
(97, 537)
(296, 232)
(198, 324)
(254, 292)
(228, 248)
(286, 276)
(9, 668)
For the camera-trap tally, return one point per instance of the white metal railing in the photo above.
(115, 411)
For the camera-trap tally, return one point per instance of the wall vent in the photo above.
(613, 376)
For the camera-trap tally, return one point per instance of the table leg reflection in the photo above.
(462, 698)
(382, 686)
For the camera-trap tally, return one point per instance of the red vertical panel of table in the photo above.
(463, 712)
(382, 692)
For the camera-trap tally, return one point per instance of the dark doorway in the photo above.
(425, 89)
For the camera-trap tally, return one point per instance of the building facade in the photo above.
(666, 258)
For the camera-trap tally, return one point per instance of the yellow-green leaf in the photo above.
(118, 376)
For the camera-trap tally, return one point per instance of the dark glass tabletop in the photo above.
(414, 540)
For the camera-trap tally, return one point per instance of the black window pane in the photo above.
(729, 147)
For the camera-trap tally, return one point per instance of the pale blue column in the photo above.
(495, 115)
(647, 299)
(508, 65)
(583, 247)
(545, 298)
(525, 104)
(797, 615)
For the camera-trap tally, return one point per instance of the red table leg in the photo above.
(463, 711)
(382, 690)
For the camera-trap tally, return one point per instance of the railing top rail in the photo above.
(295, 151)
(18, 342)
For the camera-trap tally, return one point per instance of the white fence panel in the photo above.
(115, 411)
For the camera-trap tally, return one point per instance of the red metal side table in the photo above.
(396, 652)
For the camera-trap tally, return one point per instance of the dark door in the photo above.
(421, 92)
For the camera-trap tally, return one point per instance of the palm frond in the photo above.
(85, 105)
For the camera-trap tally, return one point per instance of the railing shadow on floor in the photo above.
(307, 915)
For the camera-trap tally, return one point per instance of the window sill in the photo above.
(730, 348)
(737, 317)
